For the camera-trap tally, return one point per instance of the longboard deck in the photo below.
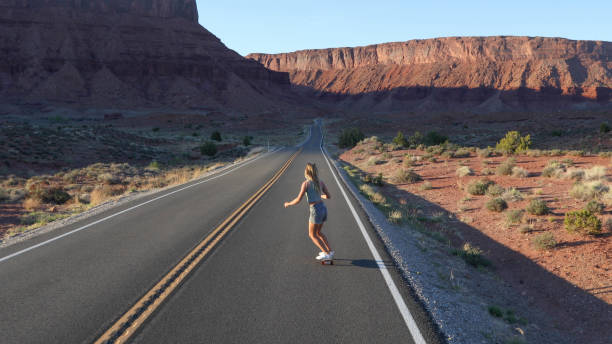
(327, 262)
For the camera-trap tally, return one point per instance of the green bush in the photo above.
(246, 141)
(479, 187)
(594, 207)
(514, 216)
(350, 137)
(208, 148)
(496, 204)
(53, 194)
(537, 207)
(472, 255)
(415, 139)
(582, 221)
(375, 180)
(513, 142)
(544, 241)
(216, 135)
(400, 140)
(604, 128)
(434, 138)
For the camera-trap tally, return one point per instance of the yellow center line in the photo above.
(129, 322)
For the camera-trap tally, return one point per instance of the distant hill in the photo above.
(124, 53)
(480, 73)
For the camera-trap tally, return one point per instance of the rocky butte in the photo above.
(480, 73)
(124, 53)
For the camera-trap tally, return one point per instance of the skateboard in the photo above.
(327, 262)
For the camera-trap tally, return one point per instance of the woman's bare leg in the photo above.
(315, 238)
(322, 237)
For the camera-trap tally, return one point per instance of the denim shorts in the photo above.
(318, 213)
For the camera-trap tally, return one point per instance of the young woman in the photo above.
(315, 191)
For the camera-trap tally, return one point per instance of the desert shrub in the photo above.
(461, 153)
(84, 198)
(156, 129)
(246, 141)
(512, 195)
(556, 132)
(553, 169)
(595, 173)
(544, 241)
(496, 204)
(472, 255)
(154, 165)
(505, 168)
(534, 152)
(513, 142)
(514, 216)
(433, 138)
(485, 152)
(464, 171)
(109, 178)
(496, 311)
(4, 195)
(594, 207)
(582, 221)
(568, 162)
(16, 195)
(575, 174)
(554, 152)
(375, 161)
(52, 194)
(403, 176)
(479, 187)
(519, 172)
(40, 218)
(589, 190)
(216, 136)
(400, 140)
(208, 148)
(387, 155)
(415, 139)
(494, 190)
(487, 172)
(604, 128)
(395, 216)
(374, 180)
(426, 186)
(537, 207)
(350, 137)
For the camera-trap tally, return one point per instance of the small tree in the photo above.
(208, 148)
(513, 142)
(350, 137)
(246, 140)
(216, 135)
(434, 138)
(400, 140)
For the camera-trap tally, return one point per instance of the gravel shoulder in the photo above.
(458, 296)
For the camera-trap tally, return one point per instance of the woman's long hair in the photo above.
(311, 174)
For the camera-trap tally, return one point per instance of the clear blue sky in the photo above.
(271, 26)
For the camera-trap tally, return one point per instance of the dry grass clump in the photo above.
(494, 190)
(479, 187)
(575, 174)
(514, 217)
(496, 204)
(512, 195)
(505, 168)
(426, 186)
(4, 194)
(464, 171)
(595, 173)
(588, 190)
(519, 172)
(554, 169)
(375, 161)
(403, 176)
(395, 216)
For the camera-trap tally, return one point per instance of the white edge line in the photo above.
(12, 255)
(397, 297)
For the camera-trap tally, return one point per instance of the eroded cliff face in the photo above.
(482, 71)
(124, 53)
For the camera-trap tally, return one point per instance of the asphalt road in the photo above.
(261, 284)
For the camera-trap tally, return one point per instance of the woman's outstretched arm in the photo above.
(299, 196)
(325, 194)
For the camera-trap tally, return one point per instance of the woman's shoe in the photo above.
(331, 254)
(321, 255)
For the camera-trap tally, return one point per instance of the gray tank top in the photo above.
(311, 193)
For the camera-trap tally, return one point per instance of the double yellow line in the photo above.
(125, 327)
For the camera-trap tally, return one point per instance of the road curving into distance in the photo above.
(246, 267)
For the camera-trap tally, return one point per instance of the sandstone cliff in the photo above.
(490, 72)
(124, 53)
